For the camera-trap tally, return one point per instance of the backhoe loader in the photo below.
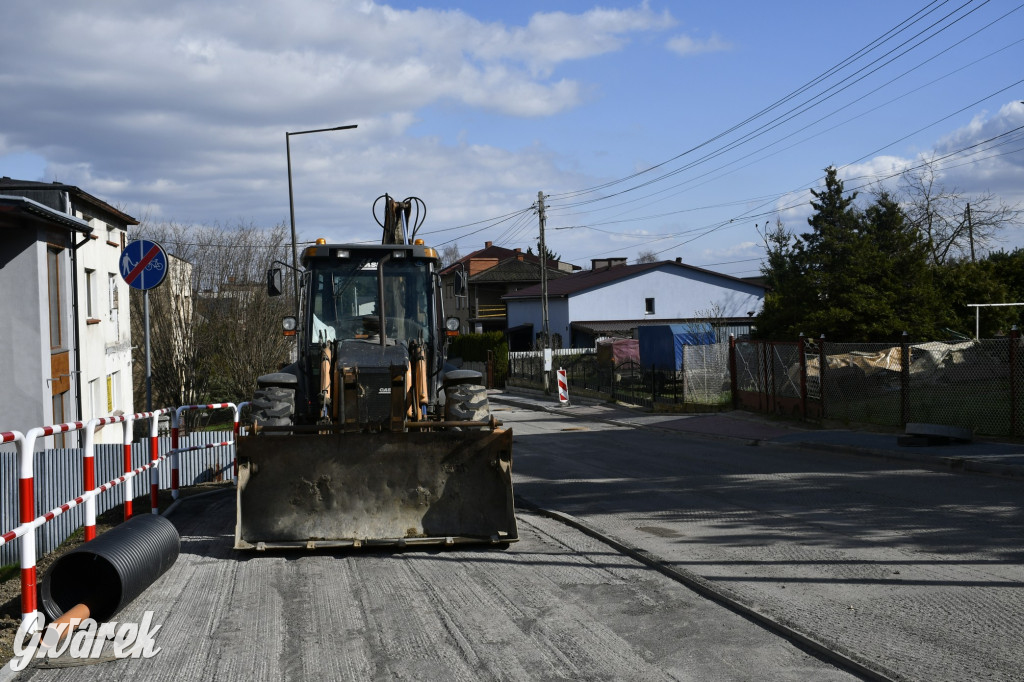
(366, 440)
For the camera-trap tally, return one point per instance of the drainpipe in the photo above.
(76, 327)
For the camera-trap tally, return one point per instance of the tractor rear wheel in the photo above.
(467, 402)
(274, 406)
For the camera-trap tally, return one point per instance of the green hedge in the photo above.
(474, 347)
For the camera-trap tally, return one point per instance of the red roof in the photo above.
(490, 251)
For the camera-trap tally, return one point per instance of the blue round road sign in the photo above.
(143, 264)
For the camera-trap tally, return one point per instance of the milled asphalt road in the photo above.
(555, 606)
(891, 558)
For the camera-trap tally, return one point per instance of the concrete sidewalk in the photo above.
(984, 456)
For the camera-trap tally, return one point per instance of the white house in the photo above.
(619, 297)
(67, 245)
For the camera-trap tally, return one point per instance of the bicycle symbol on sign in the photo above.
(127, 264)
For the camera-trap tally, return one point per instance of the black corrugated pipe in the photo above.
(107, 573)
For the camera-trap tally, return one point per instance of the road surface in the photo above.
(555, 606)
(920, 572)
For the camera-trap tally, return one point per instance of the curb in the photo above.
(960, 464)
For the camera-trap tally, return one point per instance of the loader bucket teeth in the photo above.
(382, 488)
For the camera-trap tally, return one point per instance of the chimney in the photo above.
(679, 259)
(487, 245)
(518, 249)
(606, 263)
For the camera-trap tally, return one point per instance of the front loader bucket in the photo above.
(385, 488)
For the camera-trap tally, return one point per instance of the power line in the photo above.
(774, 105)
(707, 178)
(777, 121)
(1012, 135)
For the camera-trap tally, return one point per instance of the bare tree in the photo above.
(647, 257)
(214, 330)
(449, 255)
(955, 225)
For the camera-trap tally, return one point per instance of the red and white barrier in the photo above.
(563, 388)
(28, 521)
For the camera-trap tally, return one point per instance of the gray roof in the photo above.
(24, 205)
(589, 279)
(49, 194)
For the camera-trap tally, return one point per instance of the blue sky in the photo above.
(176, 111)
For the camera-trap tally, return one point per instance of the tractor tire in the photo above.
(273, 406)
(467, 402)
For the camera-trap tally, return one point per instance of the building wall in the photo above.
(25, 362)
(677, 294)
(106, 328)
(529, 312)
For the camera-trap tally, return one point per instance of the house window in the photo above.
(93, 395)
(53, 285)
(113, 303)
(112, 391)
(90, 293)
(649, 306)
(112, 292)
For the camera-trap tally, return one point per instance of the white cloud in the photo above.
(986, 155)
(685, 45)
(744, 249)
(177, 109)
(551, 38)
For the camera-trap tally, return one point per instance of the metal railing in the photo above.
(70, 475)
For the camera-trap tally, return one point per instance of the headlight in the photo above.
(452, 324)
(289, 324)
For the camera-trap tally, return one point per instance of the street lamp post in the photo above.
(291, 204)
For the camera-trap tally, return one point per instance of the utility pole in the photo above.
(543, 282)
(970, 230)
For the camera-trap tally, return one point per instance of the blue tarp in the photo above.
(661, 346)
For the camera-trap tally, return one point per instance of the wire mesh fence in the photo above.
(700, 382)
(976, 384)
(966, 384)
(862, 381)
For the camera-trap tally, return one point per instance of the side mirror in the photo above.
(460, 282)
(275, 285)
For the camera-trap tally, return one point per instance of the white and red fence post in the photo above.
(176, 448)
(89, 469)
(234, 460)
